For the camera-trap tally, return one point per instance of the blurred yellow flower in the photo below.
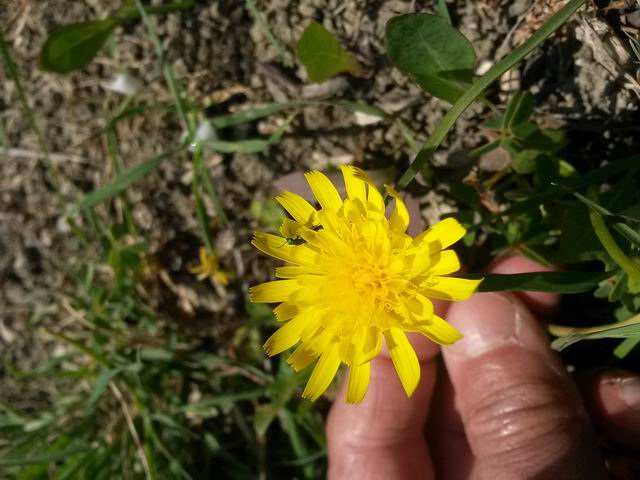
(355, 277)
(209, 268)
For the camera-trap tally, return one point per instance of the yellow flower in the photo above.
(209, 268)
(355, 277)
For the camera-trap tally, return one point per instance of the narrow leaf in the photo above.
(122, 181)
(553, 282)
(627, 329)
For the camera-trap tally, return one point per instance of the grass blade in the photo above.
(122, 181)
(41, 458)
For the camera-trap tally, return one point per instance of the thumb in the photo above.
(521, 412)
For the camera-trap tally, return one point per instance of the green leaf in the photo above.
(73, 46)
(55, 456)
(553, 282)
(625, 230)
(322, 55)
(578, 242)
(122, 181)
(626, 346)
(433, 53)
(481, 84)
(252, 145)
(524, 162)
(627, 329)
(519, 110)
(443, 11)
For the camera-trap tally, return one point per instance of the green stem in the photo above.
(167, 70)
(614, 251)
(251, 6)
(471, 95)
(201, 211)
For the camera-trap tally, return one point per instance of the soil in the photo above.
(218, 48)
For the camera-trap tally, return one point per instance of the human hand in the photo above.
(505, 408)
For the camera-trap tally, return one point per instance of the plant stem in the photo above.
(167, 70)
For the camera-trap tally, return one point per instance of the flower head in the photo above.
(209, 268)
(354, 277)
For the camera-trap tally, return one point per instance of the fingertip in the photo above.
(381, 437)
(613, 396)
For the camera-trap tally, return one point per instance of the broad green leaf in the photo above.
(73, 46)
(433, 53)
(553, 282)
(322, 55)
(524, 162)
(122, 181)
(627, 329)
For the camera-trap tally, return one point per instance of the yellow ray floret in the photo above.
(353, 278)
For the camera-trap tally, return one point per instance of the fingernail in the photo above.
(488, 321)
(630, 392)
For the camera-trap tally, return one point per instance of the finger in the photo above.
(446, 438)
(522, 415)
(540, 302)
(613, 399)
(383, 437)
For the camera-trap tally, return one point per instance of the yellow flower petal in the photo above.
(445, 262)
(372, 344)
(286, 336)
(298, 207)
(358, 382)
(292, 271)
(374, 198)
(301, 358)
(444, 233)
(356, 188)
(450, 288)
(420, 307)
(399, 221)
(278, 247)
(439, 331)
(221, 277)
(404, 359)
(324, 191)
(285, 311)
(323, 373)
(273, 292)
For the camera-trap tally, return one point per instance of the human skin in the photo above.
(501, 405)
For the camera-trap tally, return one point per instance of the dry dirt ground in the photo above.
(217, 48)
